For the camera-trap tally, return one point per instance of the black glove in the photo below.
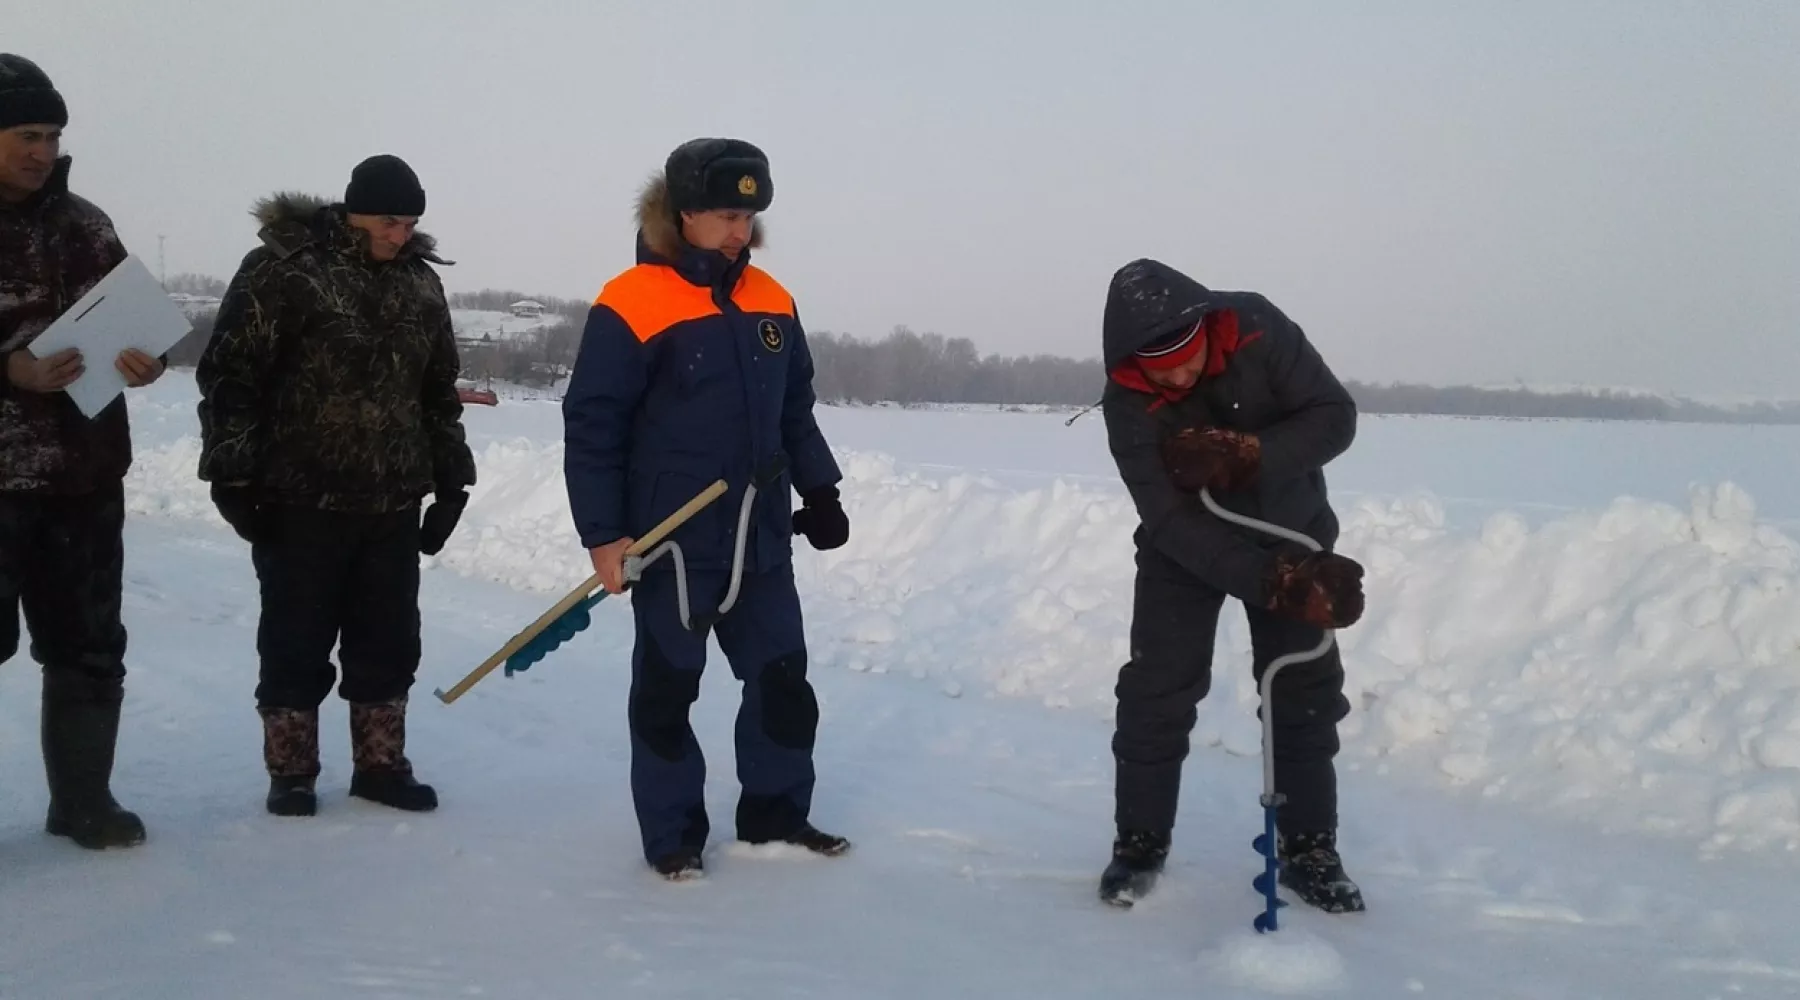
(237, 505)
(822, 519)
(440, 520)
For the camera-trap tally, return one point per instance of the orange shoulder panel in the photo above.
(758, 292)
(651, 298)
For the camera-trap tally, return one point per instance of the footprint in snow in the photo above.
(961, 842)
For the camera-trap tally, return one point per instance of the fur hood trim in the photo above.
(290, 220)
(661, 229)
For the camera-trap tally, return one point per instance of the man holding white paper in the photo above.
(62, 500)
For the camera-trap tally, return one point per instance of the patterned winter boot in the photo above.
(1310, 866)
(291, 754)
(1137, 862)
(378, 748)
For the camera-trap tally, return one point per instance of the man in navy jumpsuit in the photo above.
(693, 367)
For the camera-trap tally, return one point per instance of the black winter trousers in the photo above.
(1174, 625)
(334, 578)
(62, 558)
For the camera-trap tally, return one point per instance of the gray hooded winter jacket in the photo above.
(1267, 380)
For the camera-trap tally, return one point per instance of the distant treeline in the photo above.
(907, 367)
(1598, 404)
(195, 284)
(916, 369)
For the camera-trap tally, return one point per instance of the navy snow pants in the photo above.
(763, 639)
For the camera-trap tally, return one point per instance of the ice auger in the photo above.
(573, 613)
(1265, 844)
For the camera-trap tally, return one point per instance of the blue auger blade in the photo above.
(555, 634)
(1267, 883)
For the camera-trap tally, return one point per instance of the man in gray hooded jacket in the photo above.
(1221, 391)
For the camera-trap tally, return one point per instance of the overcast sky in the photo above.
(1598, 192)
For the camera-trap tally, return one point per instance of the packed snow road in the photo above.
(980, 825)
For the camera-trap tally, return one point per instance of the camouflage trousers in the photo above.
(334, 579)
(62, 560)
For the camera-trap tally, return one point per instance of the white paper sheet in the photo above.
(126, 309)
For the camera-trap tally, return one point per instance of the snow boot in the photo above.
(80, 731)
(1137, 861)
(814, 840)
(683, 864)
(378, 749)
(1311, 867)
(291, 754)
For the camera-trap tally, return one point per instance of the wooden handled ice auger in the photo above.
(579, 594)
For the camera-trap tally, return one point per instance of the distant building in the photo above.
(527, 309)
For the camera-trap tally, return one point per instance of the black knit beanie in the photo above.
(26, 96)
(706, 174)
(384, 185)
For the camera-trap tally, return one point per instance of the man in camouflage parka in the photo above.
(62, 496)
(328, 411)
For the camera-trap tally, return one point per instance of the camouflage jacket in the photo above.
(330, 378)
(53, 248)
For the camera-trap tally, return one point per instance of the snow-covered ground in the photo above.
(1571, 770)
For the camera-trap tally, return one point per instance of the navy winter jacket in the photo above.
(692, 368)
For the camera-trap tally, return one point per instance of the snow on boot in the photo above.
(291, 755)
(1137, 861)
(681, 865)
(818, 841)
(809, 837)
(80, 731)
(1311, 867)
(378, 750)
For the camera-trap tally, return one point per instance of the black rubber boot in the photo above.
(79, 737)
(292, 795)
(1137, 862)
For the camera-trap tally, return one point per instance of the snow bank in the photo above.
(1636, 664)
